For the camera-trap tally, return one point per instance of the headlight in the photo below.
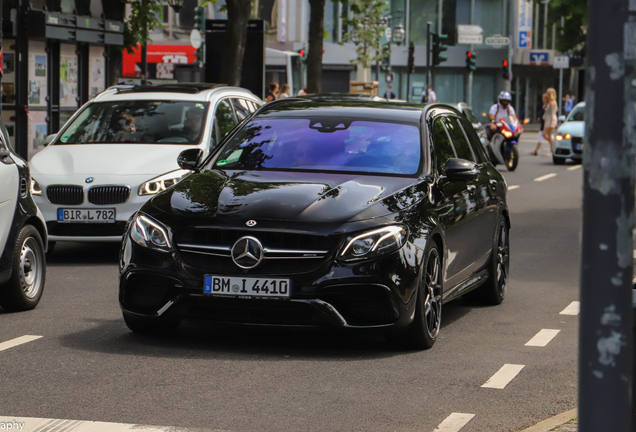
(507, 134)
(149, 233)
(373, 244)
(35, 188)
(163, 182)
(568, 136)
(559, 137)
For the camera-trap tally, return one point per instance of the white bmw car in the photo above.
(121, 148)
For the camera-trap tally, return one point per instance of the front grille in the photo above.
(561, 151)
(104, 195)
(86, 229)
(67, 194)
(575, 141)
(275, 263)
(363, 304)
(147, 290)
(243, 311)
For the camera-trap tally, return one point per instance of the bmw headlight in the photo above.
(149, 233)
(35, 187)
(373, 244)
(163, 182)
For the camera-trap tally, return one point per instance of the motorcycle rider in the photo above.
(501, 109)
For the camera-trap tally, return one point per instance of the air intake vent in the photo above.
(103, 195)
(24, 188)
(69, 195)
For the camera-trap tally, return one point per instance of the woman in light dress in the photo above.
(550, 118)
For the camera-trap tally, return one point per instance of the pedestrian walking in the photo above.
(568, 105)
(550, 118)
(284, 92)
(273, 91)
(540, 114)
(302, 91)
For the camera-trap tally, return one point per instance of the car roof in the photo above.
(580, 104)
(173, 91)
(342, 96)
(360, 109)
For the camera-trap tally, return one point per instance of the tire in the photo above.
(28, 272)
(151, 326)
(425, 328)
(558, 161)
(511, 158)
(493, 291)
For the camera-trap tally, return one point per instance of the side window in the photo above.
(462, 148)
(214, 136)
(224, 118)
(443, 147)
(240, 108)
(473, 139)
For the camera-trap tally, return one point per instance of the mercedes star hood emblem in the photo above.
(247, 252)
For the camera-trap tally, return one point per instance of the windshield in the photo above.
(149, 122)
(577, 114)
(324, 145)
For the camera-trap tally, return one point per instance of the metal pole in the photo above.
(560, 91)
(440, 6)
(428, 55)
(545, 26)
(526, 98)
(535, 43)
(605, 320)
(469, 90)
(144, 55)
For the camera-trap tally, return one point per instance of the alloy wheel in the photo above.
(433, 299)
(503, 259)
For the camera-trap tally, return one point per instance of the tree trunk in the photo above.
(238, 14)
(314, 53)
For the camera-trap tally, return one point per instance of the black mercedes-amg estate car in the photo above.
(323, 214)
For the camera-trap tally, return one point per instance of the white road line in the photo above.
(17, 341)
(572, 309)
(575, 167)
(634, 253)
(545, 177)
(503, 376)
(513, 187)
(454, 422)
(32, 424)
(542, 338)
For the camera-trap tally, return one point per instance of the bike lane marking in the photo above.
(545, 177)
(542, 338)
(454, 422)
(17, 341)
(503, 376)
(572, 309)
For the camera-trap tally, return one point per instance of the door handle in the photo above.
(471, 188)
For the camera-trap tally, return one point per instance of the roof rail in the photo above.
(191, 88)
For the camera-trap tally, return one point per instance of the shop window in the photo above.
(67, 6)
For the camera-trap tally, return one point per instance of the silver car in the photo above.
(568, 143)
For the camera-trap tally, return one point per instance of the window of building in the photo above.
(267, 10)
(186, 15)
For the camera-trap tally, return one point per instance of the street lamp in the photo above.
(398, 34)
(176, 5)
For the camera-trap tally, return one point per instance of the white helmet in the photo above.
(504, 95)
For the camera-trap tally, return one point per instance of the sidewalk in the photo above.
(564, 422)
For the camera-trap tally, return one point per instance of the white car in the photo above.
(23, 238)
(121, 148)
(569, 137)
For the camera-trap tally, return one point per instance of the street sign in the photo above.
(497, 41)
(387, 33)
(561, 62)
(524, 24)
(469, 30)
(470, 39)
(195, 38)
(539, 58)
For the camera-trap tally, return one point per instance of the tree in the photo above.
(572, 37)
(366, 23)
(238, 15)
(141, 21)
(314, 52)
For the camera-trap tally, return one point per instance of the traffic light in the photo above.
(200, 54)
(411, 60)
(439, 47)
(303, 54)
(471, 61)
(199, 18)
(505, 73)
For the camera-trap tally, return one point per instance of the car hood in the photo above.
(302, 197)
(574, 128)
(106, 159)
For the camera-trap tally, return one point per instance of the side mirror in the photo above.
(560, 119)
(190, 159)
(49, 139)
(461, 169)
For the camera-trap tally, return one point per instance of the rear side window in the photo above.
(474, 141)
(224, 118)
(240, 108)
(462, 148)
(443, 147)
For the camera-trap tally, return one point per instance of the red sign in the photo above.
(157, 53)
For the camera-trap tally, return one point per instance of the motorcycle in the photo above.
(502, 147)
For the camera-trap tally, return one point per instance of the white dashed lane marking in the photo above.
(31, 424)
(542, 338)
(513, 187)
(17, 341)
(454, 422)
(575, 167)
(503, 376)
(545, 177)
(572, 309)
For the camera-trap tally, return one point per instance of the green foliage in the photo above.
(571, 38)
(142, 20)
(365, 18)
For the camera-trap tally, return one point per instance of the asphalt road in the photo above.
(88, 366)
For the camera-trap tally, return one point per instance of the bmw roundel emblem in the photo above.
(250, 223)
(89, 180)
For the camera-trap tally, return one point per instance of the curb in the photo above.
(551, 423)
